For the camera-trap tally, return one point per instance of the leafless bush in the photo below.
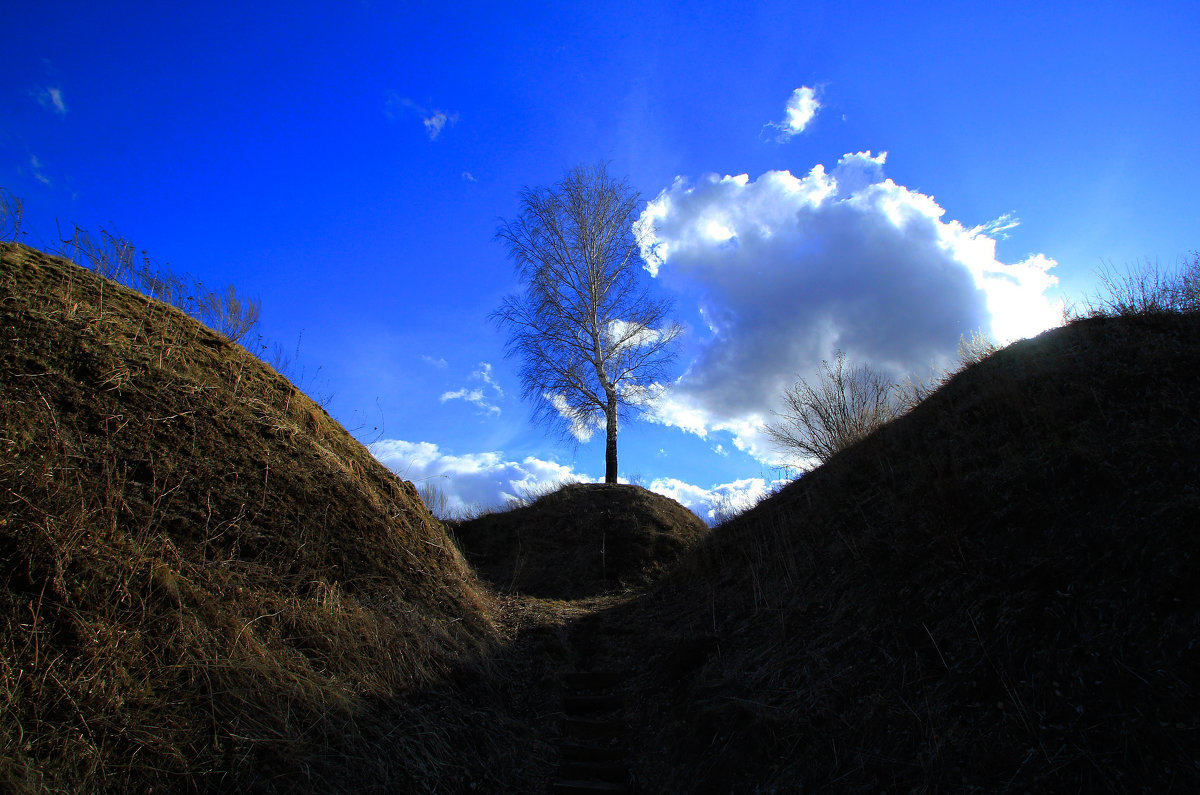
(12, 216)
(841, 408)
(1144, 289)
(435, 500)
(975, 347)
(231, 314)
(972, 349)
(110, 255)
(115, 257)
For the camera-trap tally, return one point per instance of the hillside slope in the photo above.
(997, 592)
(581, 540)
(206, 582)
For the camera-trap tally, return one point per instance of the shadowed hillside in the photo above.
(580, 540)
(207, 584)
(998, 592)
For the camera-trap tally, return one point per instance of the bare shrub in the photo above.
(12, 216)
(724, 508)
(843, 406)
(1144, 289)
(229, 313)
(435, 500)
(975, 347)
(113, 256)
(972, 349)
(109, 256)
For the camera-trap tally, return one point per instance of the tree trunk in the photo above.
(610, 448)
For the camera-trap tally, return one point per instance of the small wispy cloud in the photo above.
(484, 373)
(51, 98)
(434, 123)
(474, 396)
(468, 177)
(439, 362)
(477, 396)
(997, 228)
(801, 108)
(38, 169)
(434, 120)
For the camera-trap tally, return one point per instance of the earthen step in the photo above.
(589, 705)
(568, 786)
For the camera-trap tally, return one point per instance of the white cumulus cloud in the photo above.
(790, 270)
(717, 502)
(472, 480)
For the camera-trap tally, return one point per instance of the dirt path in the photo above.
(582, 686)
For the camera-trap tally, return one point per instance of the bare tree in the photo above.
(12, 216)
(590, 338)
(840, 409)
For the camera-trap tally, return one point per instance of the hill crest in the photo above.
(998, 591)
(206, 578)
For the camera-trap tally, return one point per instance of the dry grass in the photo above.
(208, 584)
(996, 592)
(1144, 288)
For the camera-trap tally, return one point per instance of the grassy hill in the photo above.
(998, 592)
(580, 540)
(206, 583)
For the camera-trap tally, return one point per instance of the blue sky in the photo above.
(348, 164)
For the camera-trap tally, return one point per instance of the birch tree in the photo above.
(590, 338)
